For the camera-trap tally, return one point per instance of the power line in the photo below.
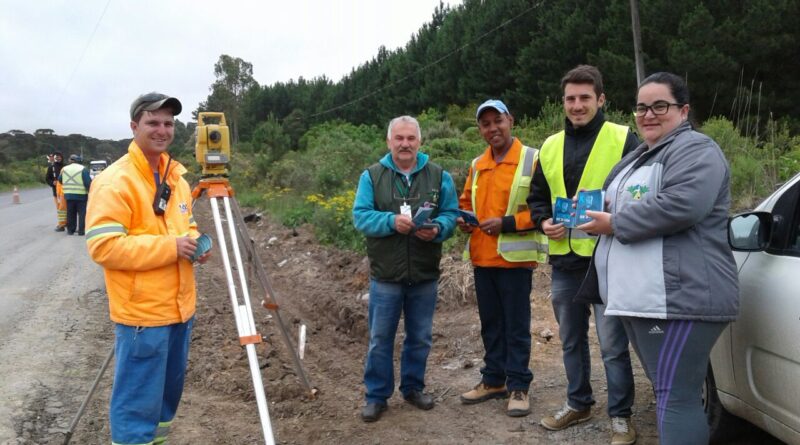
(78, 64)
(435, 62)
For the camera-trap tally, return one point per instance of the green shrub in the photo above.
(333, 221)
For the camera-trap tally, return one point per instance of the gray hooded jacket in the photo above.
(669, 257)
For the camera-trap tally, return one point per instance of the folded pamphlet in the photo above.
(564, 213)
(469, 217)
(422, 215)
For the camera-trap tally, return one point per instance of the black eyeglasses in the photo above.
(658, 108)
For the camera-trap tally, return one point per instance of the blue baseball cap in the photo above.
(491, 103)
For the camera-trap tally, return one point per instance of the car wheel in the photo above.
(722, 425)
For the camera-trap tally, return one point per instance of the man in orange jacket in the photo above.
(504, 251)
(141, 230)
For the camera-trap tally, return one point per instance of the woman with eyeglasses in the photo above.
(662, 260)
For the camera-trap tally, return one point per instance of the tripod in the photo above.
(218, 188)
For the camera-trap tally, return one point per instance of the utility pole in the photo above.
(637, 41)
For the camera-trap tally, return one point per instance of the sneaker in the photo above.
(518, 405)
(566, 417)
(482, 392)
(622, 431)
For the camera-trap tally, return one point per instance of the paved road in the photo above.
(49, 292)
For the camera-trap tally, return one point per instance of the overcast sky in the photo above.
(71, 67)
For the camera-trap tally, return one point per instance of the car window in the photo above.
(786, 224)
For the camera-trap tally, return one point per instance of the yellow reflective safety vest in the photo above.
(605, 153)
(72, 179)
(525, 246)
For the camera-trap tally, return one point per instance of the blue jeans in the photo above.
(504, 306)
(386, 302)
(573, 329)
(149, 370)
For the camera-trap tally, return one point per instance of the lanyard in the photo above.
(403, 187)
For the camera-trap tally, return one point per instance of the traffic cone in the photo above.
(15, 196)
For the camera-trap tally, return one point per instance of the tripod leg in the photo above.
(267, 288)
(85, 402)
(242, 313)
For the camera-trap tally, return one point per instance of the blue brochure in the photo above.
(588, 200)
(204, 243)
(564, 213)
(422, 215)
(469, 217)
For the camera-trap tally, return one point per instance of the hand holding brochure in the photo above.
(563, 213)
(469, 217)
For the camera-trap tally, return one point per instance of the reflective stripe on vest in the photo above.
(72, 183)
(605, 153)
(525, 246)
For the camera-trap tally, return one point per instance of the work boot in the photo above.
(622, 431)
(566, 417)
(518, 405)
(419, 399)
(372, 411)
(60, 228)
(482, 392)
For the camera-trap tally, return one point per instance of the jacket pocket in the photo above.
(672, 265)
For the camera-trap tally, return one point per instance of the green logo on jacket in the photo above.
(637, 191)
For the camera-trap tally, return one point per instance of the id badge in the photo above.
(405, 209)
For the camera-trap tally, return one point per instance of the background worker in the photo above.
(75, 182)
(667, 220)
(404, 262)
(580, 157)
(504, 249)
(55, 164)
(146, 252)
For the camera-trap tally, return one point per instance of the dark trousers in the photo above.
(504, 306)
(76, 216)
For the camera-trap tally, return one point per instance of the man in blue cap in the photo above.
(504, 249)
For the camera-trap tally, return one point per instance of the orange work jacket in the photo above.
(147, 284)
(494, 188)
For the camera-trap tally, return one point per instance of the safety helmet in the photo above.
(74, 158)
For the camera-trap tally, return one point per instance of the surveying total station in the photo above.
(213, 147)
(213, 152)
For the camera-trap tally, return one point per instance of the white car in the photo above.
(95, 167)
(754, 372)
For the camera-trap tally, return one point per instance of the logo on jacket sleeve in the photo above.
(183, 207)
(637, 191)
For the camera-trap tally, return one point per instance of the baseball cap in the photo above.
(491, 103)
(155, 101)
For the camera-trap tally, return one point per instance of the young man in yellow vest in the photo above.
(579, 158)
(504, 249)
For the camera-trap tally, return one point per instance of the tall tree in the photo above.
(234, 80)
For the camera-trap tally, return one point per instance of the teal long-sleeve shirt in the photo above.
(375, 223)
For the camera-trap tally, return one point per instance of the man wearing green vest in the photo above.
(579, 158)
(75, 181)
(404, 254)
(504, 248)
